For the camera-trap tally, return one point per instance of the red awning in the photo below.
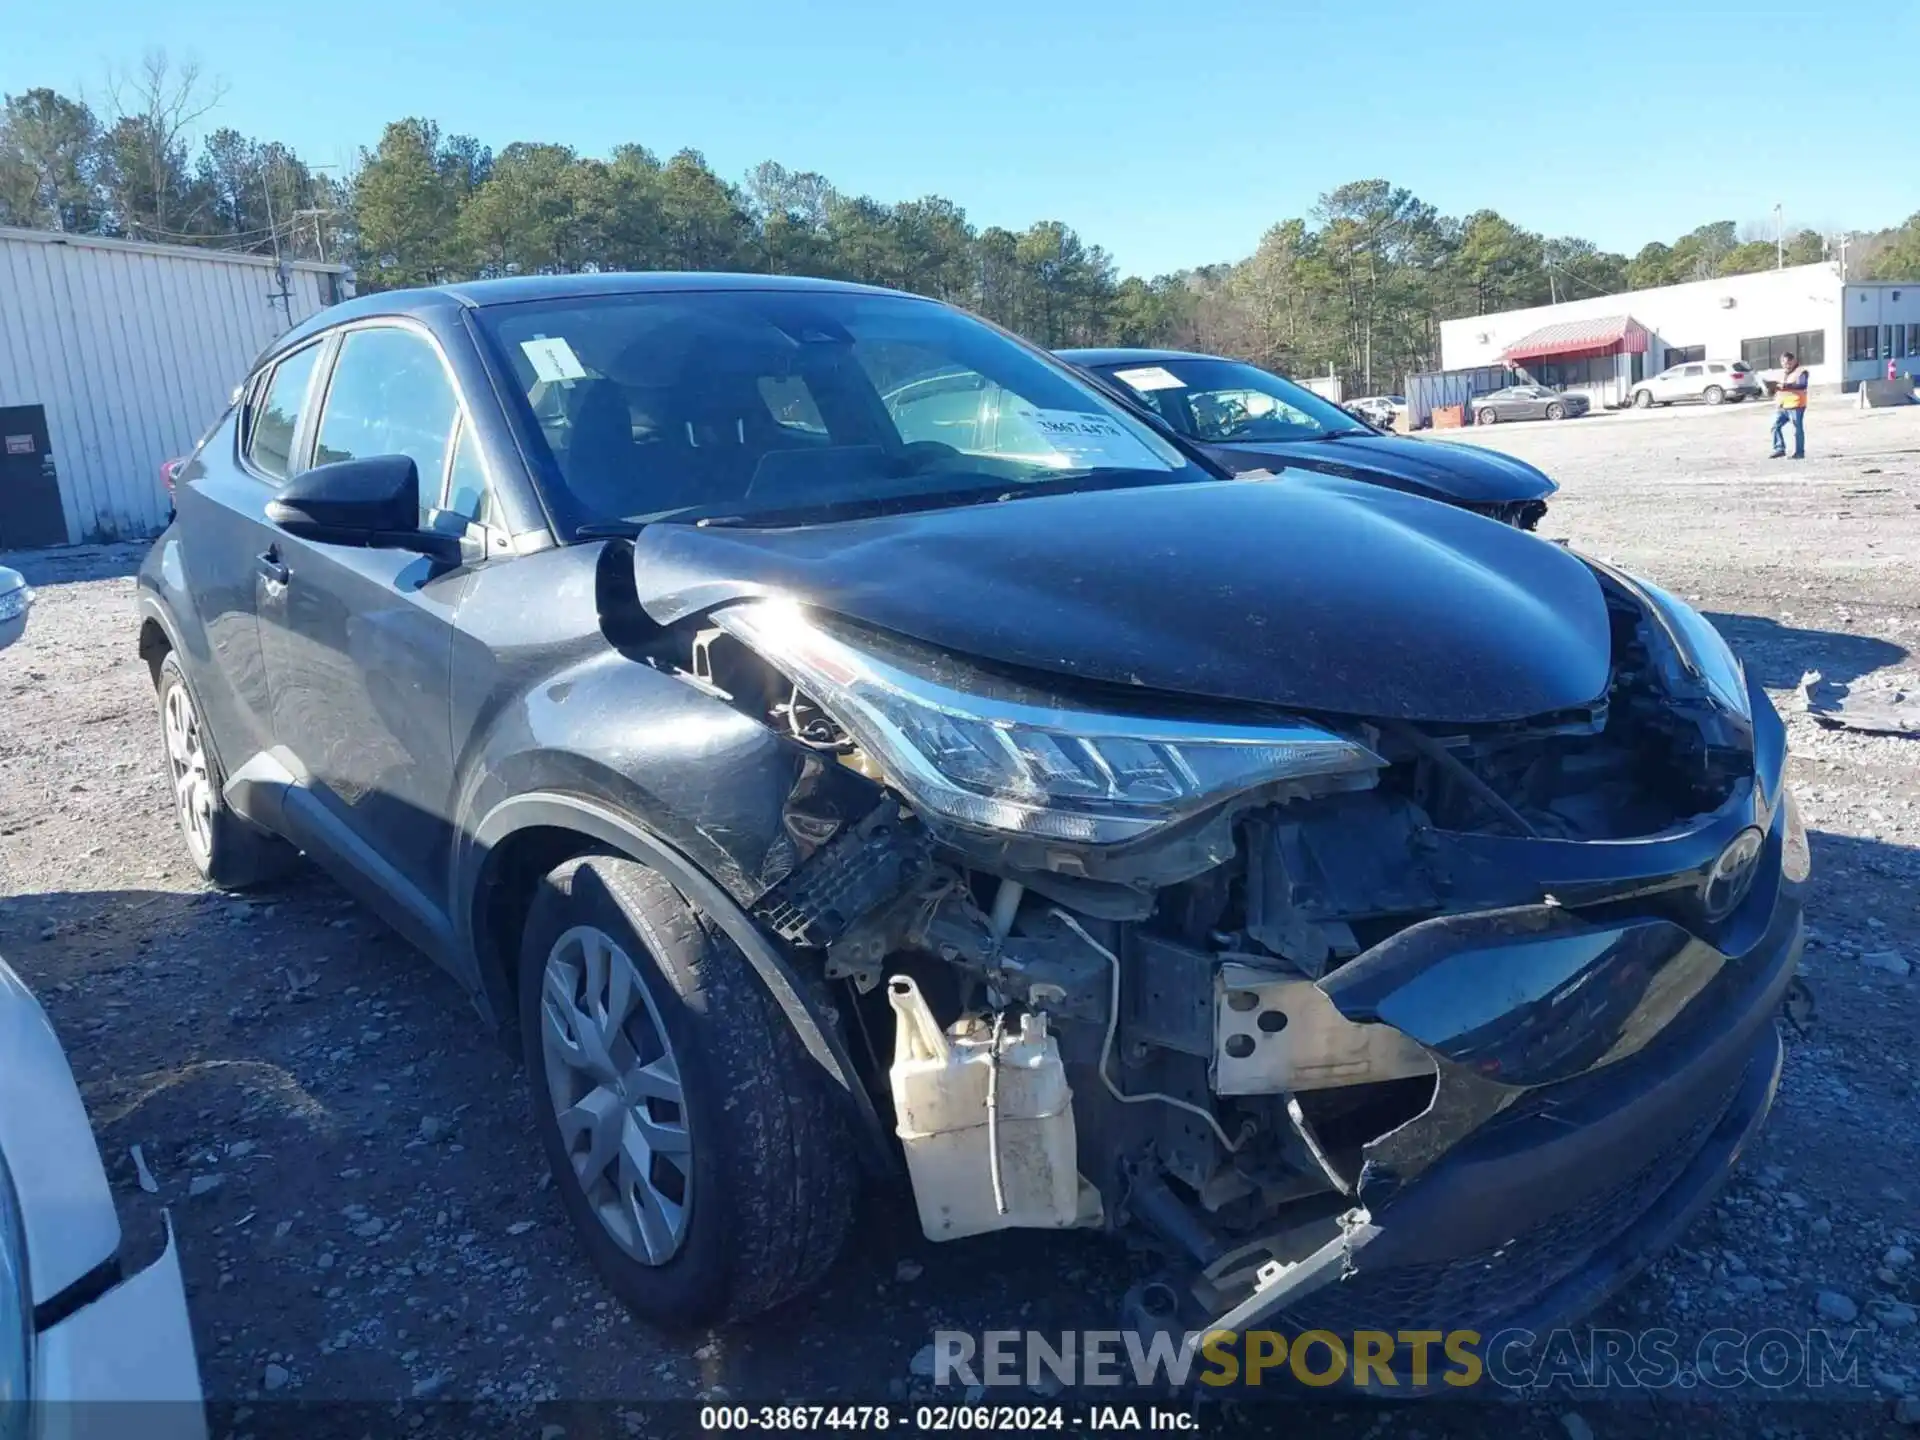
(1608, 335)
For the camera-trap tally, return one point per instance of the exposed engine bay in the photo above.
(1149, 1034)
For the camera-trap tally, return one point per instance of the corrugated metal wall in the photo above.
(134, 350)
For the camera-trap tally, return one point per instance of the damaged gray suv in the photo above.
(1379, 911)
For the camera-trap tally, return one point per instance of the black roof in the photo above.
(1129, 357)
(512, 290)
(637, 282)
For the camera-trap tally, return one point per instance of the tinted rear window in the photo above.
(276, 413)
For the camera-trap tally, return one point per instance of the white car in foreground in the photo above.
(87, 1351)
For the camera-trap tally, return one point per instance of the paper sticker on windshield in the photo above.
(553, 359)
(1091, 441)
(1149, 377)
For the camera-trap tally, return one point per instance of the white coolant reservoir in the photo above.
(986, 1121)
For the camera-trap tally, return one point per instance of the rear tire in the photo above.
(226, 850)
(1713, 394)
(1643, 399)
(727, 1178)
(1485, 417)
(1556, 411)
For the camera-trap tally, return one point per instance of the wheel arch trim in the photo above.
(595, 821)
(152, 607)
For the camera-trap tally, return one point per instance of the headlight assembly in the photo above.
(1026, 761)
(1702, 649)
(14, 602)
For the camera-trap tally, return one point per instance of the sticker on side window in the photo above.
(553, 359)
(1149, 377)
(1091, 441)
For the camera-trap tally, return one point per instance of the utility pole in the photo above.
(282, 271)
(319, 234)
(1846, 236)
(1779, 237)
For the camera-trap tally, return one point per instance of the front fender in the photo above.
(814, 1021)
(640, 762)
(741, 802)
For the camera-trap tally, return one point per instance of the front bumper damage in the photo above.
(1457, 1043)
(1593, 1061)
(1597, 1072)
(1542, 1177)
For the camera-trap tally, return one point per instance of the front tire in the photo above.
(226, 850)
(1643, 399)
(1556, 411)
(706, 1167)
(1485, 417)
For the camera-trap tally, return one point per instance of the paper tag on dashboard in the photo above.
(553, 359)
(1149, 377)
(1092, 442)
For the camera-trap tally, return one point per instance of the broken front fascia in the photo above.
(1501, 996)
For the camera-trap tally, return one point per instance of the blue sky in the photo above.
(1173, 134)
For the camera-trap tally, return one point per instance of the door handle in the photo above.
(270, 566)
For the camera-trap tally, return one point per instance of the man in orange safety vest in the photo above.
(1793, 408)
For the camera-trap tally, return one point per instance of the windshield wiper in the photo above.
(865, 506)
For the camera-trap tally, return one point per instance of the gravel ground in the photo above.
(360, 1200)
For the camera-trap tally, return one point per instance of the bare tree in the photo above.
(151, 111)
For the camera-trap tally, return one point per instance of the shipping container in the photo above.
(115, 356)
(1432, 389)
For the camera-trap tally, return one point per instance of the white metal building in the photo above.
(1842, 331)
(115, 357)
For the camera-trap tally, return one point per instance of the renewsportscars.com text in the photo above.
(1605, 1359)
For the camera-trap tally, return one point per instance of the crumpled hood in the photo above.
(1457, 472)
(1308, 593)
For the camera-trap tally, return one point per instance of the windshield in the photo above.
(1222, 401)
(783, 403)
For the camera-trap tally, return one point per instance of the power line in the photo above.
(1556, 268)
(261, 231)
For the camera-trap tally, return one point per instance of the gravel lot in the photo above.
(360, 1200)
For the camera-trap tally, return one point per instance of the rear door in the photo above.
(221, 536)
(359, 641)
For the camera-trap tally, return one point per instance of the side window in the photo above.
(389, 396)
(276, 415)
(1691, 371)
(467, 492)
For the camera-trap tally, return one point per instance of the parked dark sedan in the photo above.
(1527, 402)
(1249, 419)
(1380, 913)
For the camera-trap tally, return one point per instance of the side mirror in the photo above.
(371, 503)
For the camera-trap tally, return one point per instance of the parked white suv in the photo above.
(1710, 380)
(87, 1349)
